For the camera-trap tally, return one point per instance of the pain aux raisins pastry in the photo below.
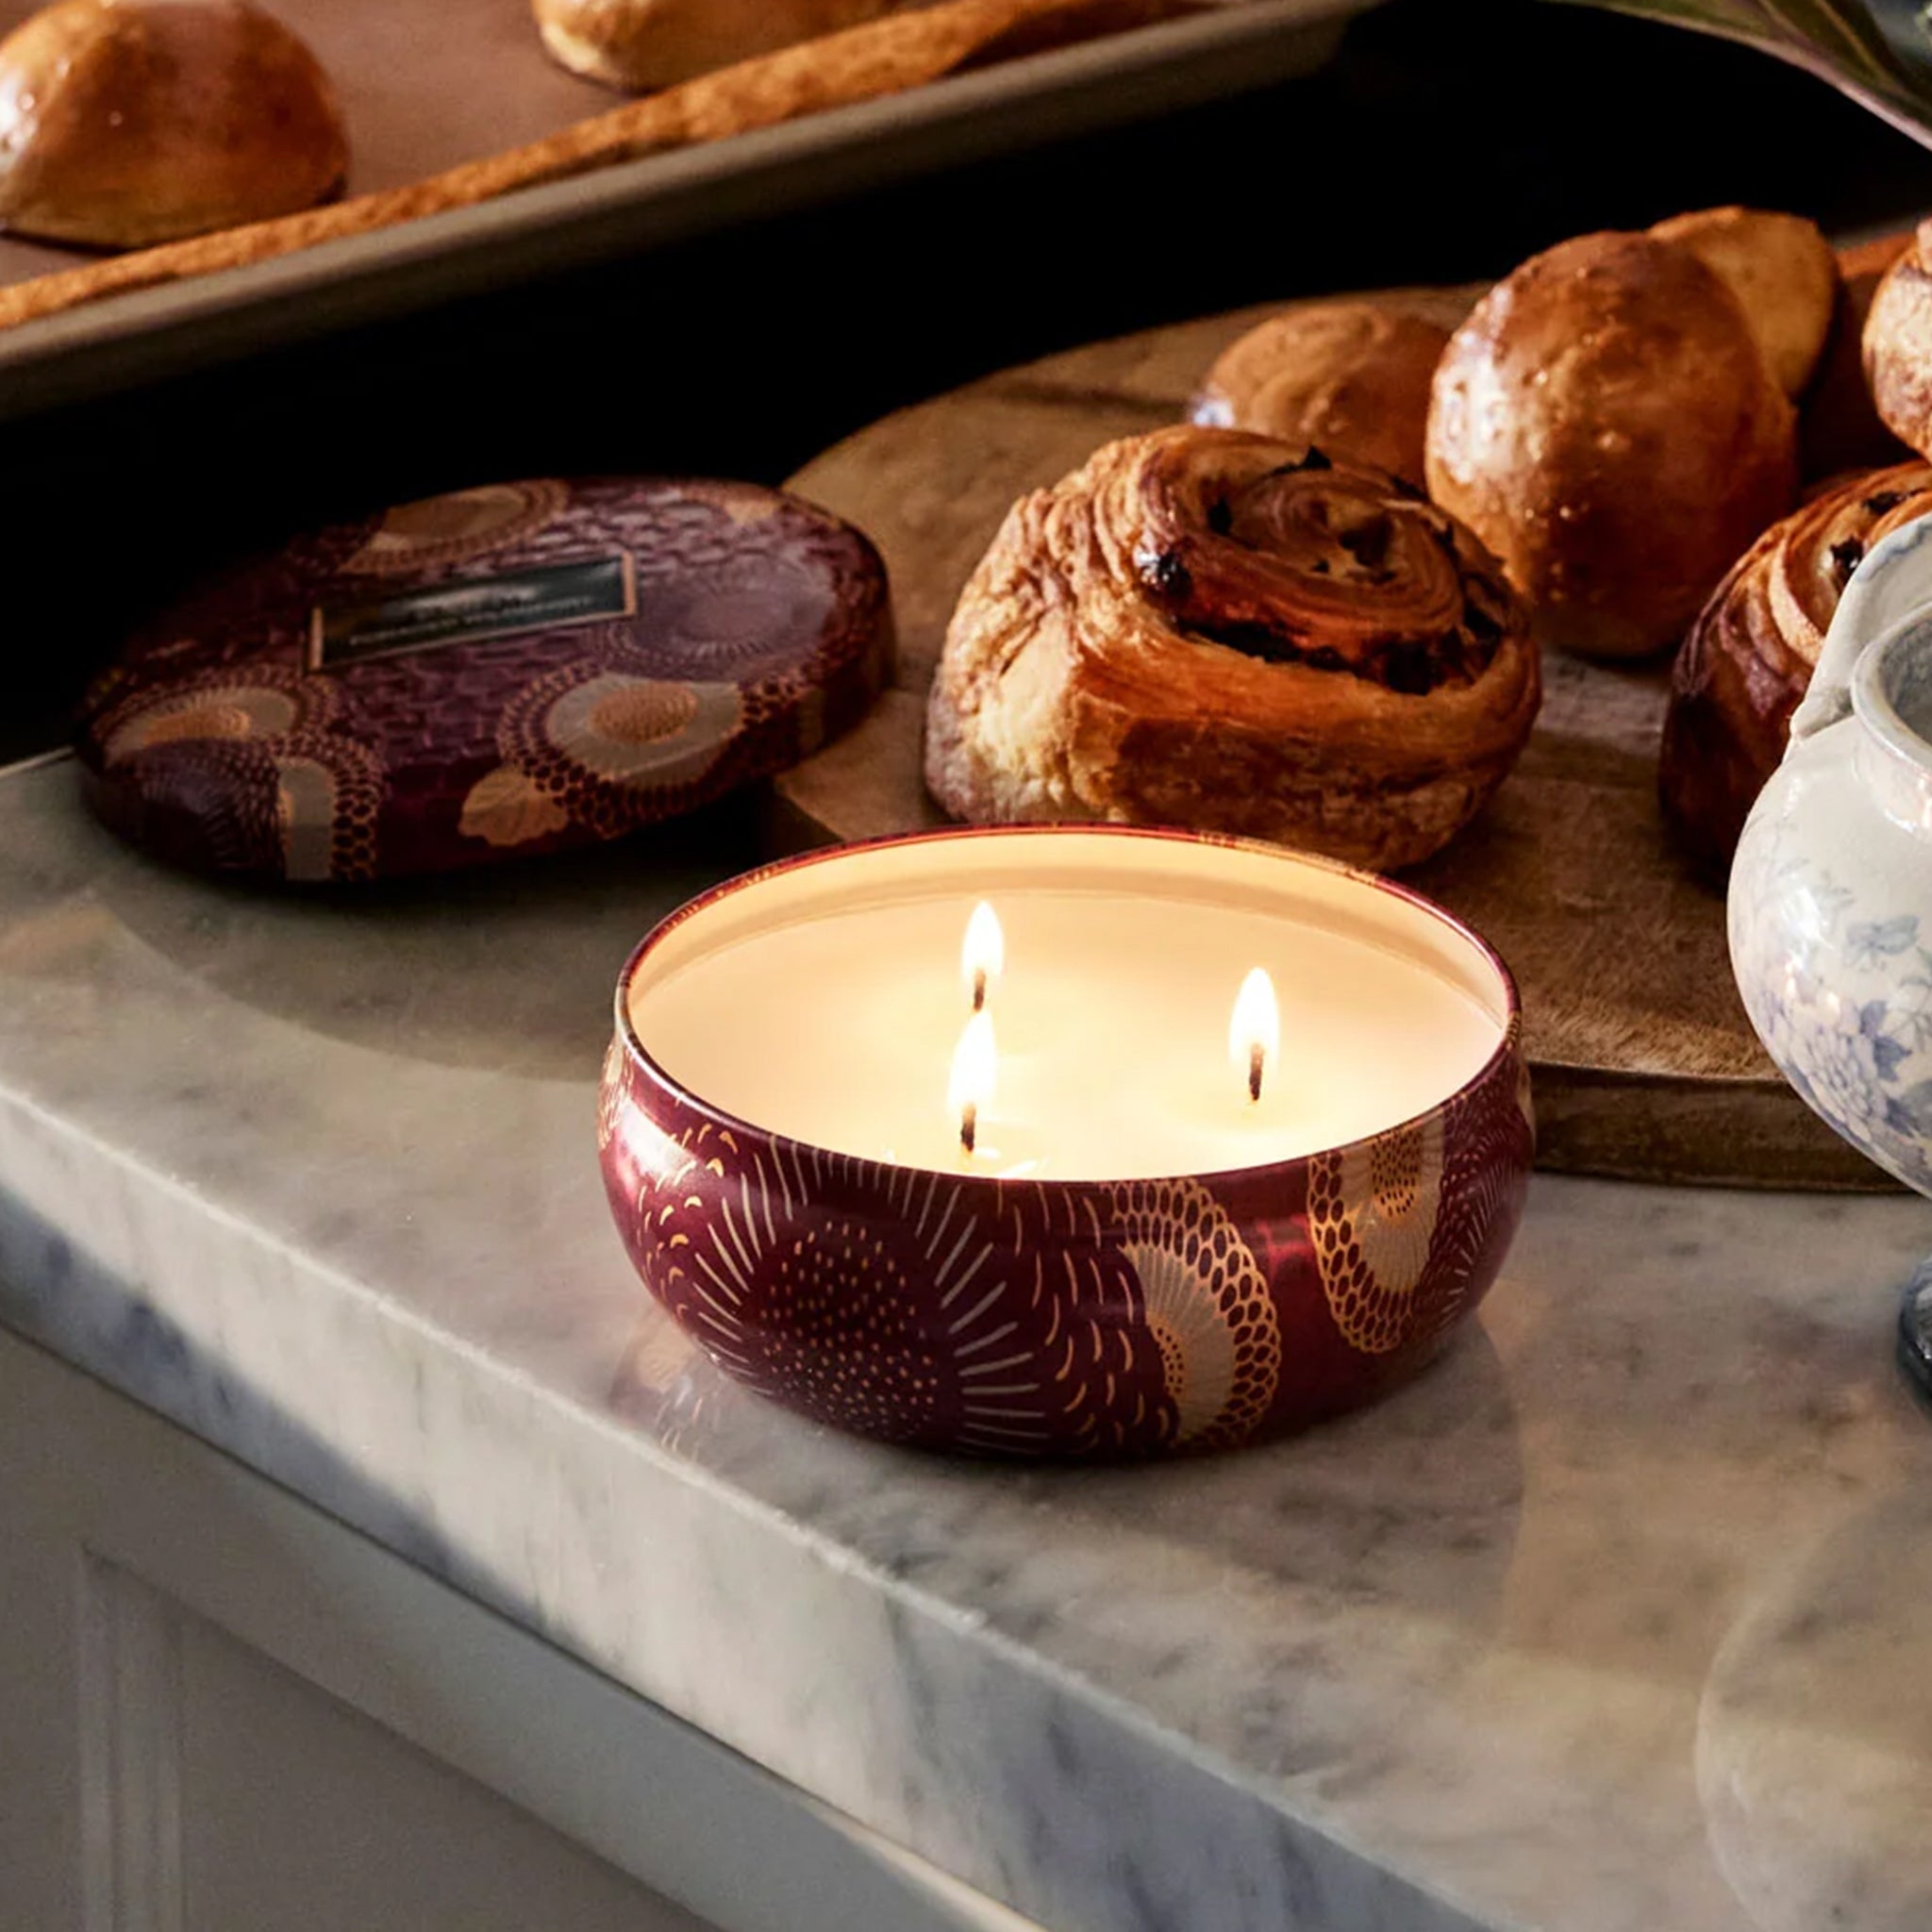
(1749, 657)
(1211, 629)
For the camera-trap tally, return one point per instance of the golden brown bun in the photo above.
(1605, 422)
(1347, 378)
(1838, 423)
(1898, 345)
(1200, 628)
(640, 44)
(1750, 656)
(1783, 273)
(127, 122)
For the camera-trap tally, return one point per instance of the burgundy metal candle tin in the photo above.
(1064, 1318)
(510, 670)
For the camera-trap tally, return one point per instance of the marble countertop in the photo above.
(1606, 1625)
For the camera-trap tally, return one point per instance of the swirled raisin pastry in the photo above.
(1212, 628)
(1749, 658)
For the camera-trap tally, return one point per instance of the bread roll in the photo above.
(1838, 427)
(129, 122)
(1749, 658)
(1203, 628)
(1605, 423)
(640, 44)
(1898, 345)
(1350, 378)
(1783, 273)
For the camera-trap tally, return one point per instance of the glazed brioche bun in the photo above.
(124, 122)
(1783, 273)
(1350, 378)
(642, 44)
(1606, 422)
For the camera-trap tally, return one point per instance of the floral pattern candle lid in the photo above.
(513, 669)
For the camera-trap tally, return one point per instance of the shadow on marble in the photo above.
(1814, 1732)
(543, 941)
(1406, 1511)
(1413, 1501)
(665, 1384)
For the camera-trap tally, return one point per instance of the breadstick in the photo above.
(863, 63)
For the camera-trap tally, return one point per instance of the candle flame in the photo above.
(983, 956)
(1253, 1029)
(975, 1069)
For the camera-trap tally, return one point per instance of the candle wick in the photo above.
(1254, 1059)
(978, 987)
(968, 1125)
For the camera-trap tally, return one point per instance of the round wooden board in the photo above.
(1643, 1062)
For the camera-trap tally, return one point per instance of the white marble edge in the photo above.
(1471, 1660)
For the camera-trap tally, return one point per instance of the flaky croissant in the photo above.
(1208, 627)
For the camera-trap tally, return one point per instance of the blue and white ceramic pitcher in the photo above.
(1831, 887)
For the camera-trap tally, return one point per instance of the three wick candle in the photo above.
(1192, 1142)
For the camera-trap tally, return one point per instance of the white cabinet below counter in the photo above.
(223, 1712)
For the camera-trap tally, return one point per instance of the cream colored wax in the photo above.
(826, 1003)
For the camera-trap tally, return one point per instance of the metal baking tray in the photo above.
(425, 87)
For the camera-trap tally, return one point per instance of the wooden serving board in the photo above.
(1645, 1065)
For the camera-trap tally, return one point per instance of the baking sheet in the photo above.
(426, 84)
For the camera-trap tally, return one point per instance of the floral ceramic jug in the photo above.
(1831, 887)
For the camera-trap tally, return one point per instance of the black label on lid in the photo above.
(550, 596)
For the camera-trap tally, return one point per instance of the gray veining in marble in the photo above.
(1605, 1625)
